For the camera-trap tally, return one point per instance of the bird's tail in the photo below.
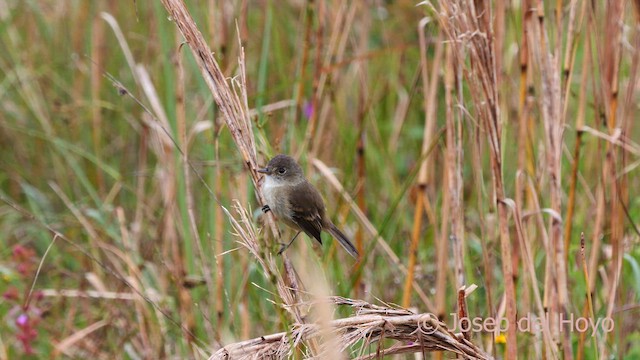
(343, 240)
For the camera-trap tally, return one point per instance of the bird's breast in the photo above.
(276, 197)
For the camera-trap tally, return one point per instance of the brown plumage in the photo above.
(297, 203)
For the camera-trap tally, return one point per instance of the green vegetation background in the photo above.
(79, 156)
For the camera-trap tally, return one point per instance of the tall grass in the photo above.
(459, 143)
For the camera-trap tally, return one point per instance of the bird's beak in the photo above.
(264, 170)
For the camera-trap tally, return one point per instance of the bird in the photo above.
(297, 203)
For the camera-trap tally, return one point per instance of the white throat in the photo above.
(270, 183)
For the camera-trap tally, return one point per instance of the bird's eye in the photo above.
(281, 171)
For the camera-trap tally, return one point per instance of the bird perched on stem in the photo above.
(297, 203)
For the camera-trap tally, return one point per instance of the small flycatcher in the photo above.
(297, 203)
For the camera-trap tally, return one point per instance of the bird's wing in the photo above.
(303, 211)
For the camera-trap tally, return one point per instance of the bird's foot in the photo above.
(283, 247)
(266, 209)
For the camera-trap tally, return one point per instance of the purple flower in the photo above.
(22, 320)
(307, 109)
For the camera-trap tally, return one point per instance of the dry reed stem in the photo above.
(319, 65)
(525, 167)
(232, 103)
(498, 13)
(319, 107)
(429, 101)
(361, 173)
(589, 301)
(179, 250)
(413, 249)
(570, 53)
(399, 117)
(373, 232)
(96, 294)
(157, 122)
(528, 260)
(361, 201)
(442, 248)
(306, 43)
(371, 324)
(582, 98)
(547, 63)
(429, 104)
(335, 54)
(454, 156)
(463, 314)
(523, 104)
(567, 71)
(181, 125)
(219, 232)
(610, 57)
(594, 256)
(467, 27)
(543, 236)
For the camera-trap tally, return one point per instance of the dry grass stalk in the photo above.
(430, 86)
(499, 14)
(547, 63)
(155, 121)
(589, 301)
(430, 81)
(454, 156)
(524, 106)
(468, 29)
(413, 249)
(194, 241)
(336, 48)
(373, 232)
(219, 232)
(523, 195)
(629, 114)
(463, 314)
(610, 55)
(528, 260)
(363, 104)
(232, 103)
(415, 333)
(360, 196)
(319, 65)
(244, 228)
(570, 51)
(586, 64)
(595, 243)
(299, 93)
(442, 248)
(114, 255)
